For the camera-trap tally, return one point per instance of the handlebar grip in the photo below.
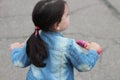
(84, 44)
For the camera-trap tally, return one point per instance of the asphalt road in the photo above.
(91, 20)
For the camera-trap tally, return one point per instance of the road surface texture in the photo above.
(91, 20)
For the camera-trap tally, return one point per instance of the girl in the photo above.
(49, 54)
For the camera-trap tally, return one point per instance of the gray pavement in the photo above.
(91, 20)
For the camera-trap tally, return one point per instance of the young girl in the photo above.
(49, 54)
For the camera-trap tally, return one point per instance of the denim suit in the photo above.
(63, 55)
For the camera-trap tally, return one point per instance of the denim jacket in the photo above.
(63, 55)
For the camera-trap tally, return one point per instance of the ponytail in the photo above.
(36, 50)
(45, 14)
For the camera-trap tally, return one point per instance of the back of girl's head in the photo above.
(45, 14)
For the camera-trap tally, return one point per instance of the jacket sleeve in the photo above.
(82, 61)
(19, 57)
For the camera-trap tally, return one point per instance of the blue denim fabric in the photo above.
(63, 55)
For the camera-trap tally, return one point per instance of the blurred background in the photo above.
(91, 20)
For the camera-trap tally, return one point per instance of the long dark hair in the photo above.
(45, 14)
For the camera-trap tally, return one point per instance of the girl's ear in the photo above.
(56, 27)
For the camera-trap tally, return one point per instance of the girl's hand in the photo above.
(93, 46)
(16, 45)
(90, 46)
